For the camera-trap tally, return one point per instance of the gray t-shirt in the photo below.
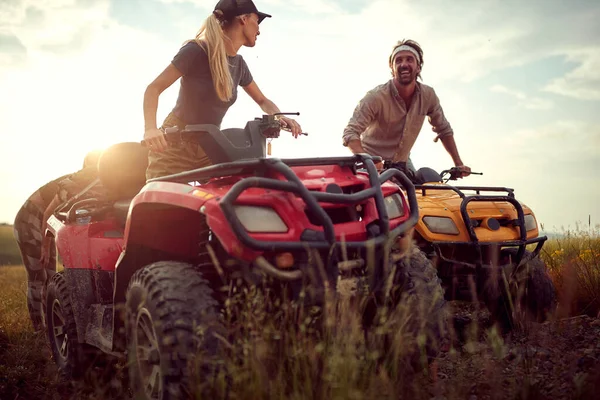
(198, 102)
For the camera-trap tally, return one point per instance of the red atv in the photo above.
(160, 250)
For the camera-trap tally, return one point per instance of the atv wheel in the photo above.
(529, 295)
(73, 359)
(171, 317)
(414, 318)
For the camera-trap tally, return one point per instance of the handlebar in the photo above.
(454, 173)
(270, 127)
(285, 113)
(289, 130)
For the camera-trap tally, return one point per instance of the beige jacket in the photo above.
(387, 129)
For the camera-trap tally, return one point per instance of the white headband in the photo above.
(405, 47)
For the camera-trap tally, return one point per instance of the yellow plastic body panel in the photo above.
(446, 203)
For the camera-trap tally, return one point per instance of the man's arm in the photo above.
(441, 126)
(437, 119)
(364, 114)
(355, 146)
(450, 146)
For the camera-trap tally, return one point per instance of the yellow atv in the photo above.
(485, 245)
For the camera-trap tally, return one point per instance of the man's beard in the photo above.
(405, 79)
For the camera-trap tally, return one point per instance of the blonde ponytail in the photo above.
(212, 39)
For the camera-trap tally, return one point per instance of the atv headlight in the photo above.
(260, 219)
(441, 225)
(394, 206)
(530, 222)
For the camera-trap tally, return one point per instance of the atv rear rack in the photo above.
(315, 239)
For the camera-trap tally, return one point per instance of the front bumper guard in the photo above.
(318, 240)
(521, 243)
(328, 240)
(539, 241)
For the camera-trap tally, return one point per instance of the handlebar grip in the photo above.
(289, 130)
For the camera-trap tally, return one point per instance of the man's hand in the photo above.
(355, 146)
(379, 165)
(464, 171)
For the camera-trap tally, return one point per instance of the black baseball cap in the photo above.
(233, 8)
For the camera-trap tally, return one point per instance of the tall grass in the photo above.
(277, 351)
(573, 260)
(9, 251)
(24, 359)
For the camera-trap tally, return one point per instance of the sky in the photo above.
(518, 81)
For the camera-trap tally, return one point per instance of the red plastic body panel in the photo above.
(87, 247)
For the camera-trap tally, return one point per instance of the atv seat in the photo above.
(427, 175)
(228, 145)
(122, 172)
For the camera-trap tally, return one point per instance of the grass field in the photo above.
(338, 365)
(574, 263)
(25, 365)
(9, 252)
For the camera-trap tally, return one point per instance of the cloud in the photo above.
(532, 103)
(12, 51)
(11, 44)
(310, 6)
(569, 145)
(461, 42)
(80, 89)
(54, 26)
(553, 168)
(583, 82)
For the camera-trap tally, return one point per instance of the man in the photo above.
(38, 251)
(388, 119)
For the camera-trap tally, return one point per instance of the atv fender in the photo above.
(155, 232)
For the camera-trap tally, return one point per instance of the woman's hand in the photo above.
(155, 139)
(291, 125)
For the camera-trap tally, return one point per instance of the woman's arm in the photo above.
(270, 108)
(152, 134)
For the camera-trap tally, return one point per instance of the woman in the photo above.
(210, 71)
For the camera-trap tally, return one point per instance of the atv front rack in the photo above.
(315, 239)
(521, 243)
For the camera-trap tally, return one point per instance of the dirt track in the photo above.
(554, 360)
